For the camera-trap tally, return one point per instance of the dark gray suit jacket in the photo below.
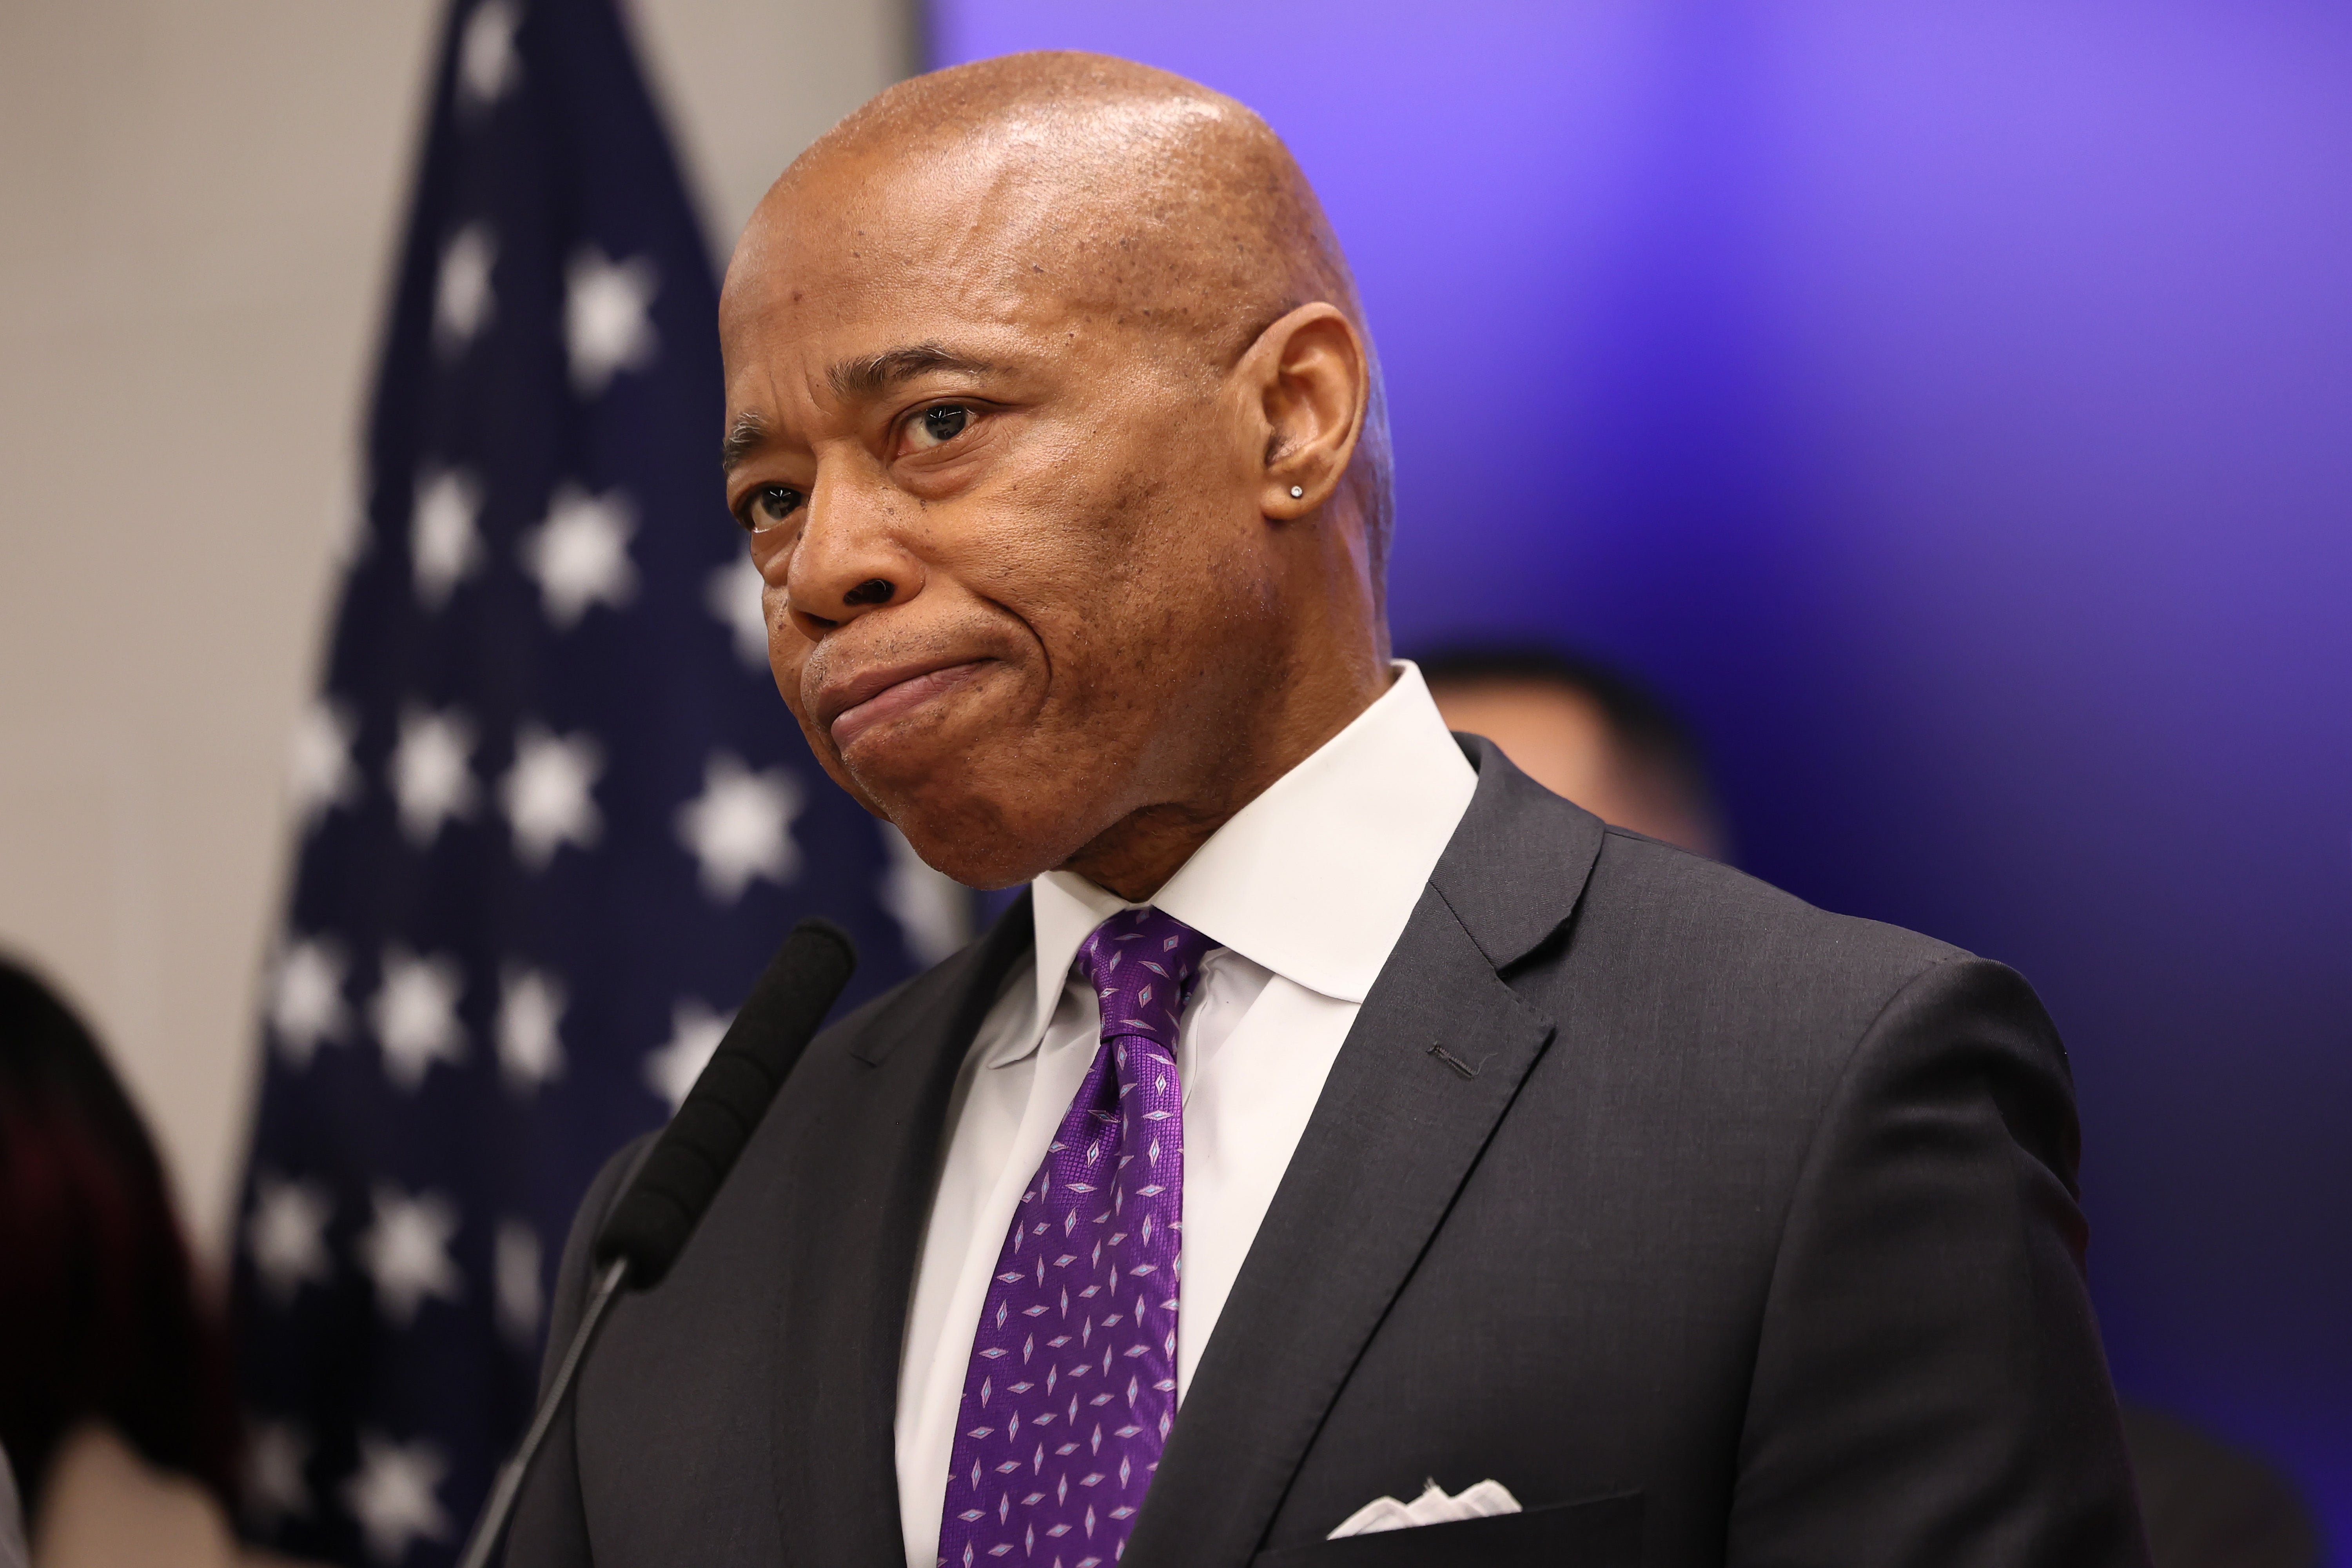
(1715, 1228)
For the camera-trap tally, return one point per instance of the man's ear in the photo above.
(1305, 384)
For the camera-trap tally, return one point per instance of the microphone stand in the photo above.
(646, 1230)
(491, 1525)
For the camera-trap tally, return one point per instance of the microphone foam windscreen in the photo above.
(691, 1158)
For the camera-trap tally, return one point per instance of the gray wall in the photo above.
(197, 205)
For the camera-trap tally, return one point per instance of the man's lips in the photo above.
(878, 695)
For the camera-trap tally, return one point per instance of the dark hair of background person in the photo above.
(1655, 743)
(100, 1319)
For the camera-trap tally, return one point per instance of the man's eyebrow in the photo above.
(854, 379)
(867, 377)
(743, 438)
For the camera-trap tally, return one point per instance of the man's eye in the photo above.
(936, 427)
(771, 505)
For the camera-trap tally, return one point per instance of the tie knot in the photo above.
(1142, 965)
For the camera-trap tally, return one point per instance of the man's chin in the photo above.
(900, 770)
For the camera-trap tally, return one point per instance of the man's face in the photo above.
(1013, 564)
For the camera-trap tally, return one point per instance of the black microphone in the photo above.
(649, 1226)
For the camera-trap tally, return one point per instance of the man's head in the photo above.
(1585, 731)
(1055, 423)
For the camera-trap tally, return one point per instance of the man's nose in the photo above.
(850, 558)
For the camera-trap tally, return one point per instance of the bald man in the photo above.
(1345, 1151)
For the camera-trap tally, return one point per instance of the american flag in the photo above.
(554, 817)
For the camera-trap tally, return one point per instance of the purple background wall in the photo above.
(1951, 406)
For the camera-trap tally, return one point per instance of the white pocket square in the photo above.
(1432, 1507)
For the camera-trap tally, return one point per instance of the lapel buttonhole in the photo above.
(1460, 1066)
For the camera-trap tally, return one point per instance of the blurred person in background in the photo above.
(12, 1522)
(115, 1403)
(1586, 731)
(2208, 1505)
(1601, 737)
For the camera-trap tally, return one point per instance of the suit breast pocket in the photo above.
(1598, 1533)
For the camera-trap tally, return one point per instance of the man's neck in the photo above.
(1135, 855)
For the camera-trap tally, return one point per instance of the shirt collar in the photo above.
(1315, 879)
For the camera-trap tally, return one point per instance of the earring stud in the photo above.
(1296, 491)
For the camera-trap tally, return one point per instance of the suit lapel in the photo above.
(848, 1217)
(1434, 1058)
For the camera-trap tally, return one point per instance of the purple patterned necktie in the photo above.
(1072, 1385)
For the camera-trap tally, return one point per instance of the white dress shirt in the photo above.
(1305, 890)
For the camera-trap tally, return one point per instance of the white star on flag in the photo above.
(415, 1015)
(695, 1032)
(392, 1495)
(732, 595)
(444, 546)
(530, 1006)
(462, 302)
(487, 62)
(547, 794)
(306, 999)
(521, 1300)
(933, 910)
(604, 321)
(319, 768)
(287, 1236)
(406, 1252)
(275, 1455)
(430, 779)
(580, 555)
(738, 827)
